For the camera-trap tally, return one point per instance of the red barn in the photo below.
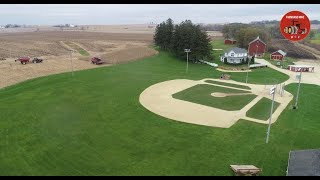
(229, 41)
(278, 55)
(257, 47)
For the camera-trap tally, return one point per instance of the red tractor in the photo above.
(97, 61)
(25, 60)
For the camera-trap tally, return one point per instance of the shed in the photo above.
(278, 55)
(229, 41)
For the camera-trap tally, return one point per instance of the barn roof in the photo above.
(258, 38)
(231, 39)
(304, 163)
(281, 52)
(237, 50)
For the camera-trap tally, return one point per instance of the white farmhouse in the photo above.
(235, 55)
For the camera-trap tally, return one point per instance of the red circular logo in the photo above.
(295, 25)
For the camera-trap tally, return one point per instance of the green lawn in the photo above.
(219, 44)
(201, 94)
(262, 109)
(260, 76)
(228, 84)
(93, 124)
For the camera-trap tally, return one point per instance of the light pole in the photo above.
(296, 104)
(272, 92)
(187, 51)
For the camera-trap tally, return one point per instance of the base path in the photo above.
(158, 99)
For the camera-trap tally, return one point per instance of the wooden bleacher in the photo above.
(245, 170)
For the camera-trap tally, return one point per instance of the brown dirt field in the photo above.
(128, 54)
(49, 43)
(51, 46)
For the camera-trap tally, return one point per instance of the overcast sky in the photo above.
(85, 14)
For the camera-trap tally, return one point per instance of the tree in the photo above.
(242, 61)
(225, 60)
(311, 34)
(252, 60)
(186, 35)
(246, 35)
(164, 34)
(247, 60)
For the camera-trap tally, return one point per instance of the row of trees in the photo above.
(186, 35)
(244, 33)
(266, 30)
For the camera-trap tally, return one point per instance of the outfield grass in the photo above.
(262, 109)
(201, 94)
(93, 124)
(227, 84)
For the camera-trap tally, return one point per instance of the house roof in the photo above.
(258, 38)
(237, 50)
(281, 52)
(304, 163)
(231, 39)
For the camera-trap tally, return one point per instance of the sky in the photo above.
(109, 14)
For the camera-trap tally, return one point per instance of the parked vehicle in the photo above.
(25, 60)
(96, 60)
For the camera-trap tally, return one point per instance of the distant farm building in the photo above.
(278, 55)
(304, 163)
(303, 68)
(229, 41)
(235, 55)
(257, 47)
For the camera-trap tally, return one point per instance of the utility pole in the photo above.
(248, 71)
(71, 60)
(296, 104)
(272, 92)
(187, 51)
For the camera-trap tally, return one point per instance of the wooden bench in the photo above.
(245, 170)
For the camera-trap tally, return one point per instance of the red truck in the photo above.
(96, 60)
(25, 60)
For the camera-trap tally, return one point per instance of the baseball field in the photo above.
(93, 123)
